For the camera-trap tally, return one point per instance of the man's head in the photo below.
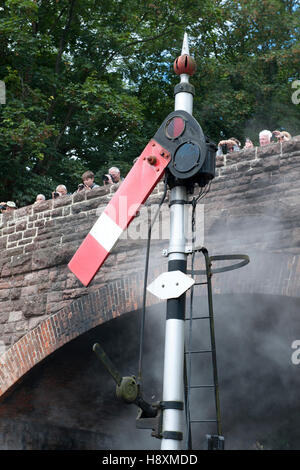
(61, 189)
(88, 178)
(285, 136)
(40, 198)
(265, 137)
(114, 172)
(10, 206)
(248, 143)
(237, 142)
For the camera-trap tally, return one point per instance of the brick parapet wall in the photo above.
(35, 227)
(252, 206)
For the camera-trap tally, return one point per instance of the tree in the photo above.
(247, 66)
(70, 105)
(89, 82)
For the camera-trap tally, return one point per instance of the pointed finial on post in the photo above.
(185, 66)
(185, 45)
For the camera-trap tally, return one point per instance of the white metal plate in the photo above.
(170, 285)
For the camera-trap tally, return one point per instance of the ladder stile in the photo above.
(189, 353)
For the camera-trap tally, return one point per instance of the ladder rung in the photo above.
(199, 352)
(201, 386)
(197, 318)
(199, 283)
(203, 421)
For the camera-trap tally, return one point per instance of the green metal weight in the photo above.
(127, 390)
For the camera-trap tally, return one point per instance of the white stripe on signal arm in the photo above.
(106, 232)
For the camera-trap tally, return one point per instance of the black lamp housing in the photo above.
(193, 156)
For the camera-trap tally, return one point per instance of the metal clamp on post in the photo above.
(155, 423)
(178, 201)
(184, 88)
(143, 421)
(176, 436)
(187, 251)
(171, 405)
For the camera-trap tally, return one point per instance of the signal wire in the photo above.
(142, 327)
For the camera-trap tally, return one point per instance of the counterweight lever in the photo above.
(127, 388)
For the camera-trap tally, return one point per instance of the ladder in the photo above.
(214, 441)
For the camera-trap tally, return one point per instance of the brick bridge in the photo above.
(252, 208)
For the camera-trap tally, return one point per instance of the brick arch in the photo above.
(125, 295)
(87, 312)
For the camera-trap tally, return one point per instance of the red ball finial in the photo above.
(184, 64)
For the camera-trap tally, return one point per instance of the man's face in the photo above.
(61, 191)
(264, 140)
(88, 182)
(39, 199)
(115, 176)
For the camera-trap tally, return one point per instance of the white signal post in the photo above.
(173, 384)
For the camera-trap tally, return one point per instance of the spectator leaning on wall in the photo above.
(40, 198)
(115, 174)
(61, 190)
(248, 143)
(9, 206)
(88, 181)
(265, 137)
(282, 136)
(228, 146)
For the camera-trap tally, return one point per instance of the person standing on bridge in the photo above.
(61, 190)
(115, 174)
(265, 137)
(228, 146)
(88, 181)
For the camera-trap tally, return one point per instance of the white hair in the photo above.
(265, 132)
(41, 196)
(62, 186)
(114, 168)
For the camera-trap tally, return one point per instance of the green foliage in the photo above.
(88, 83)
(246, 79)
